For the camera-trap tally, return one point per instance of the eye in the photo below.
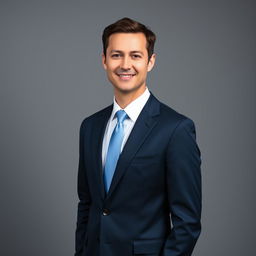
(136, 56)
(116, 55)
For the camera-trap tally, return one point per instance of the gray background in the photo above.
(51, 78)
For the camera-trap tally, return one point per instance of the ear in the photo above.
(103, 59)
(151, 62)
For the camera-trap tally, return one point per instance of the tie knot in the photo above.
(121, 116)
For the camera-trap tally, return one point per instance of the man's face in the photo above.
(126, 62)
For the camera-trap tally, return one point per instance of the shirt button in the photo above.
(105, 212)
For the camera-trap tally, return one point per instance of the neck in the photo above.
(123, 99)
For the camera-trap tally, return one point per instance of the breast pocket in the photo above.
(148, 247)
(146, 159)
(147, 172)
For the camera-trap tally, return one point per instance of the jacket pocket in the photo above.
(142, 159)
(148, 246)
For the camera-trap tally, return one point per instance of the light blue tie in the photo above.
(114, 149)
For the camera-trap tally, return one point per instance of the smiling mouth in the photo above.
(125, 76)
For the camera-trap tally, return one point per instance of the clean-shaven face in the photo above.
(126, 62)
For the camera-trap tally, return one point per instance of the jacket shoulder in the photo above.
(103, 112)
(171, 114)
(177, 121)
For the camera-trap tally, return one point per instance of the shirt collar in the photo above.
(134, 108)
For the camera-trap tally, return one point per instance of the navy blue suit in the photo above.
(157, 174)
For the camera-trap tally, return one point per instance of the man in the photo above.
(139, 162)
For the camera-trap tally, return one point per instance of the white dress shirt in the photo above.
(132, 110)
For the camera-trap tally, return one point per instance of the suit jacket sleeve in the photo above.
(184, 190)
(84, 198)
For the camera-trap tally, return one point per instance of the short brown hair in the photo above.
(126, 25)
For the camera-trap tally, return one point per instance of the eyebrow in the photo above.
(122, 51)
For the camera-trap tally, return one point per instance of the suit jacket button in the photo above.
(106, 212)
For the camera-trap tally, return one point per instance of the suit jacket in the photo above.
(157, 176)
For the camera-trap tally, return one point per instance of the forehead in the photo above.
(127, 42)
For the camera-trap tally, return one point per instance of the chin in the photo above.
(128, 89)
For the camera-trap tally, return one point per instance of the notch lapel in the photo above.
(147, 119)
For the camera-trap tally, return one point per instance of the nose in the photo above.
(126, 63)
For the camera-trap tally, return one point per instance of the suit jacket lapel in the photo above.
(144, 124)
(99, 130)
